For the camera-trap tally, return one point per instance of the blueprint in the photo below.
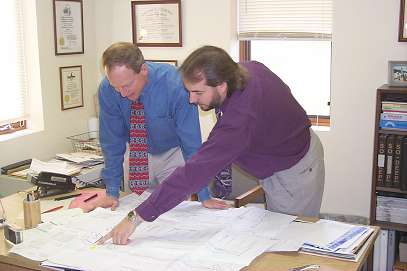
(189, 237)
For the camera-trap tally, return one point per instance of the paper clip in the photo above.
(308, 267)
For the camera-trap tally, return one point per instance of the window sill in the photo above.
(17, 134)
(321, 128)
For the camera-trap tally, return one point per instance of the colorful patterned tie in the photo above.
(138, 158)
(223, 181)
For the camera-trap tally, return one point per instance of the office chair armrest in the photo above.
(249, 196)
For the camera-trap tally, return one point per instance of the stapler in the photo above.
(50, 183)
(6, 170)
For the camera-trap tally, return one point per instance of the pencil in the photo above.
(53, 209)
(67, 197)
(91, 197)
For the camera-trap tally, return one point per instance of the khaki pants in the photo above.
(160, 166)
(298, 190)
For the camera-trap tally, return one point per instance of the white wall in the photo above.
(365, 38)
(58, 124)
(202, 24)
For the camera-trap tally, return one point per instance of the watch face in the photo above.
(131, 216)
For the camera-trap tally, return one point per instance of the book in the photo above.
(394, 106)
(397, 161)
(388, 180)
(403, 165)
(381, 160)
(391, 249)
(393, 124)
(376, 254)
(399, 116)
(384, 239)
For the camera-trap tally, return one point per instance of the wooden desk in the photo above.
(265, 262)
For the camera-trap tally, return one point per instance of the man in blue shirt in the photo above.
(173, 132)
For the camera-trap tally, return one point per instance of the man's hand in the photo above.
(121, 233)
(104, 202)
(215, 204)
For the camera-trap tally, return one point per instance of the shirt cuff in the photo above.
(147, 211)
(204, 195)
(112, 192)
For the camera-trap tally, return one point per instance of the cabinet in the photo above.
(389, 94)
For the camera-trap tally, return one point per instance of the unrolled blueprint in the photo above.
(189, 237)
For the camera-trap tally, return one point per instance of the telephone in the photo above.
(50, 183)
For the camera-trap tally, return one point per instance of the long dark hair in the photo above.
(215, 66)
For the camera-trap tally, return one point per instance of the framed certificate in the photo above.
(71, 87)
(403, 21)
(157, 23)
(167, 61)
(68, 27)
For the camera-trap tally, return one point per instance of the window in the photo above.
(13, 93)
(293, 39)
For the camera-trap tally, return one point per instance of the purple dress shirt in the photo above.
(263, 129)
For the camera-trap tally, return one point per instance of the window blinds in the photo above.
(13, 89)
(284, 19)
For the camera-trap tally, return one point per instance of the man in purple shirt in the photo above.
(262, 129)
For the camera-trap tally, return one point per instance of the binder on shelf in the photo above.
(393, 125)
(397, 161)
(381, 160)
(388, 180)
(392, 106)
(398, 116)
(380, 252)
(391, 249)
(403, 165)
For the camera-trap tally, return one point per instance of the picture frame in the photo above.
(167, 61)
(157, 23)
(71, 85)
(397, 73)
(68, 27)
(403, 21)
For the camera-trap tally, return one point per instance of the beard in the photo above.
(215, 103)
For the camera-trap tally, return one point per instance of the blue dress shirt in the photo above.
(170, 119)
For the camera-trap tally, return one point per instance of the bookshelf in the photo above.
(389, 94)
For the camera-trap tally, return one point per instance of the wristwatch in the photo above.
(134, 218)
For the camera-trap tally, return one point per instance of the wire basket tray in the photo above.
(86, 142)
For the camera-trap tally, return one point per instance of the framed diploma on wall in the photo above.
(68, 27)
(157, 23)
(71, 87)
(403, 21)
(166, 61)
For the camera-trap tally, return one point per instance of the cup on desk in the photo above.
(32, 211)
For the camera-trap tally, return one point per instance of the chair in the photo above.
(245, 189)
(250, 197)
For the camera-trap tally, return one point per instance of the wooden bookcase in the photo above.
(384, 93)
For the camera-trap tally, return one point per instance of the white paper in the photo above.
(189, 237)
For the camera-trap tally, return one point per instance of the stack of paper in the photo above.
(391, 209)
(345, 240)
(89, 176)
(54, 166)
(92, 165)
(83, 158)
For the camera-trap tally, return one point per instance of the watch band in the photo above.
(134, 218)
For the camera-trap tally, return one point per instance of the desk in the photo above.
(264, 262)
